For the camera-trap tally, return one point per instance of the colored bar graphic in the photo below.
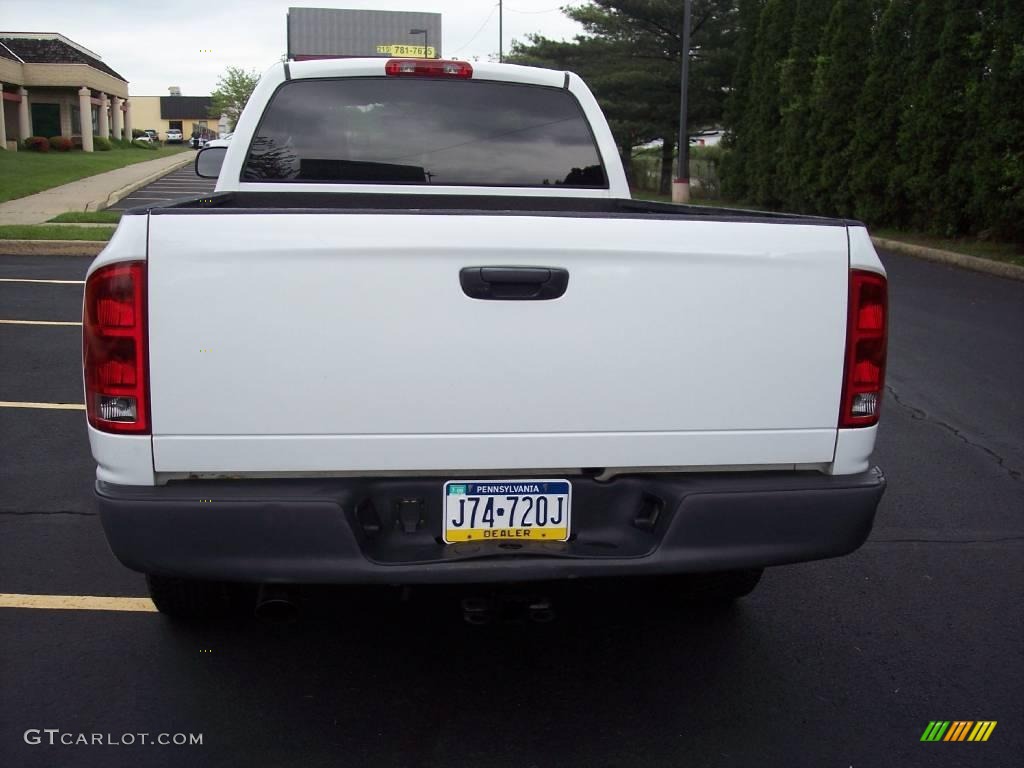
(958, 730)
(935, 730)
(986, 728)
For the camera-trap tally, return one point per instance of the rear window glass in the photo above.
(424, 131)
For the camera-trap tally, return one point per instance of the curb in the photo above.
(119, 194)
(962, 260)
(52, 247)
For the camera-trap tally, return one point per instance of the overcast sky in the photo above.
(155, 44)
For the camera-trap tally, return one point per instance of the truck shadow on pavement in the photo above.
(403, 676)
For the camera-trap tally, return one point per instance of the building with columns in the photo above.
(50, 83)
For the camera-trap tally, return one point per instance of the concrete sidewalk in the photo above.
(92, 193)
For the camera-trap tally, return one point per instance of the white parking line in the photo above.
(26, 280)
(77, 602)
(43, 406)
(37, 322)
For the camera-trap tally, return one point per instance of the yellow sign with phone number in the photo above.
(415, 51)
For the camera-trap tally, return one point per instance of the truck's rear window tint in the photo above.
(424, 131)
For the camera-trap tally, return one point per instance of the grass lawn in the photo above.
(25, 173)
(92, 217)
(1007, 252)
(46, 232)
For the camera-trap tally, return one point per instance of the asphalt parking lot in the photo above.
(836, 663)
(180, 183)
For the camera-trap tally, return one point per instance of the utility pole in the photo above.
(681, 183)
(501, 34)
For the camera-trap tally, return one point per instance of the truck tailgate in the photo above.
(298, 342)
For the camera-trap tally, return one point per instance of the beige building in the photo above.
(49, 83)
(189, 114)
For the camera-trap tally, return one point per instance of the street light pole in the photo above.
(501, 34)
(426, 45)
(681, 183)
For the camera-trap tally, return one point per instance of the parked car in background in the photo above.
(145, 138)
(153, 135)
(223, 141)
(201, 136)
(174, 136)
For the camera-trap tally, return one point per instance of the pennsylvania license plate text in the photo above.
(482, 510)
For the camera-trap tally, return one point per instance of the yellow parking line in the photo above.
(27, 280)
(37, 322)
(77, 603)
(49, 406)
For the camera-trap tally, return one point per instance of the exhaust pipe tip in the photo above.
(275, 606)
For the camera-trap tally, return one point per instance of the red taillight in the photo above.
(864, 374)
(114, 348)
(428, 68)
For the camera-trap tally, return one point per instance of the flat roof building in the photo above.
(188, 114)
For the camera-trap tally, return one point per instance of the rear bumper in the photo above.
(347, 530)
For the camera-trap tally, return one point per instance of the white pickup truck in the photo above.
(420, 333)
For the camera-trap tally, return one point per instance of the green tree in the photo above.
(761, 135)
(918, 129)
(796, 76)
(630, 56)
(737, 109)
(873, 153)
(233, 90)
(911, 113)
(838, 81)
(940, 184)
(650, 32)
(623, 86)
(995, 155)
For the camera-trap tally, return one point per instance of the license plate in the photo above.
(507, 510)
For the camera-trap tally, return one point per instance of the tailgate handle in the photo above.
(514, 283)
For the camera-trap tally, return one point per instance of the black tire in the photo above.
(720, 587)
(190, 600)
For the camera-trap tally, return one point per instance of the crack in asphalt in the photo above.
(19, 513)
(919, 415)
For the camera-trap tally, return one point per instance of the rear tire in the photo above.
(191, 600)
(718, 588)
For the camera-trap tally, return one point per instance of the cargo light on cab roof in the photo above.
(428, 68)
